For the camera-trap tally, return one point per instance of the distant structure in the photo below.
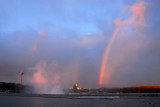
(75, 88)
(21, 73)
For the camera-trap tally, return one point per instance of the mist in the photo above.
(57, 43)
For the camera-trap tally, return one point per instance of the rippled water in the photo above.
(97, 97)
(97, 101)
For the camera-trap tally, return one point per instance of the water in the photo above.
(97, 97)
(122, 101)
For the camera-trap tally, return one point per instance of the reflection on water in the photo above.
(80, 101)
(97, 97)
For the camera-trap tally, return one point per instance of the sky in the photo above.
(58, 43)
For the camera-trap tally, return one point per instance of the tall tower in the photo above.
(21, 73)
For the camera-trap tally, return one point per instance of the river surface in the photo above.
(83, 101)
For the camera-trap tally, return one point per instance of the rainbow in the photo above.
(106, 54)
(137, 10)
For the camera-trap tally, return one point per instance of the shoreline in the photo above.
(80, 95)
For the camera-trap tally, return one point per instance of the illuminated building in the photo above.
(75, 88)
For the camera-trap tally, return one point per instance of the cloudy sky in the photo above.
(61, 42)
